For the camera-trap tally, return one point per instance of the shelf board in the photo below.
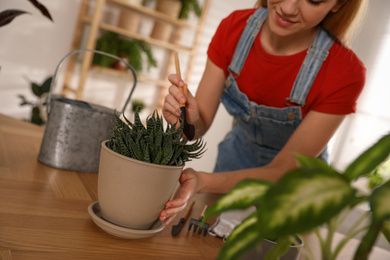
(94, 21)
(140, 78)
(153, 14)
(156, 42)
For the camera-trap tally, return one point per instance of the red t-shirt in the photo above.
(268, 79)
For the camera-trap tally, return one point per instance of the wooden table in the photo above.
(43, 211)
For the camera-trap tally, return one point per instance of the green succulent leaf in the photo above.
(145, 150)
(167, 149)
(157, 157)
(245, 194)
(151, 144)
(302, 200)
(138, 123)
(176, 155)
(120, 125)
(370, 159)
(244, 237)
(136, 148)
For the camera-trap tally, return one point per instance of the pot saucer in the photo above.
(118, 231)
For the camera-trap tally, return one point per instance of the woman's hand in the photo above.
(188, 188)
(175, 97)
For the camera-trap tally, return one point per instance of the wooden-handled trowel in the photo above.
(188, 129)
(176, 228)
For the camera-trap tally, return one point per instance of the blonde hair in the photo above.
(343, 23)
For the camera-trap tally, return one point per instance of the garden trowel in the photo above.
(188, 129)
(176, 228)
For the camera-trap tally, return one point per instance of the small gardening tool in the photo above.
(176, 228)
(189, 130)
(197, 222)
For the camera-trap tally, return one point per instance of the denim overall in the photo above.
(260, 132)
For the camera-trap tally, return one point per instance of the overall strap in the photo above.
(248, 36)
(315, 56)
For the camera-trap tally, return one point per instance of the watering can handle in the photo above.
(98, 52)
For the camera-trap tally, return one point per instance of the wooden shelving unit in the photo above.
(95, 25)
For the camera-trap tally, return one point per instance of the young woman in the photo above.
(284, 73)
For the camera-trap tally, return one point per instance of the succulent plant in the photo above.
(151, 143)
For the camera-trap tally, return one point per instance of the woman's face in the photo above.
(289, 17)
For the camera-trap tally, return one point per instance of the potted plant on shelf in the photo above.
(310, 197)
(188, 6)
(135, 51)
(128, 19)
(137, 104)
(139, 169)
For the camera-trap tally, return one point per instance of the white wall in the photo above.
(372, 119)
(32, 45)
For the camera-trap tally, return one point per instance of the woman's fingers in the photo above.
(188, 183)
(169, 220)
(173, 208)
(178, 89)
(176, 80)
(171, 109)
(179, 94)
(172, 101)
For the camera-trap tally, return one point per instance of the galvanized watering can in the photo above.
(75, 129)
